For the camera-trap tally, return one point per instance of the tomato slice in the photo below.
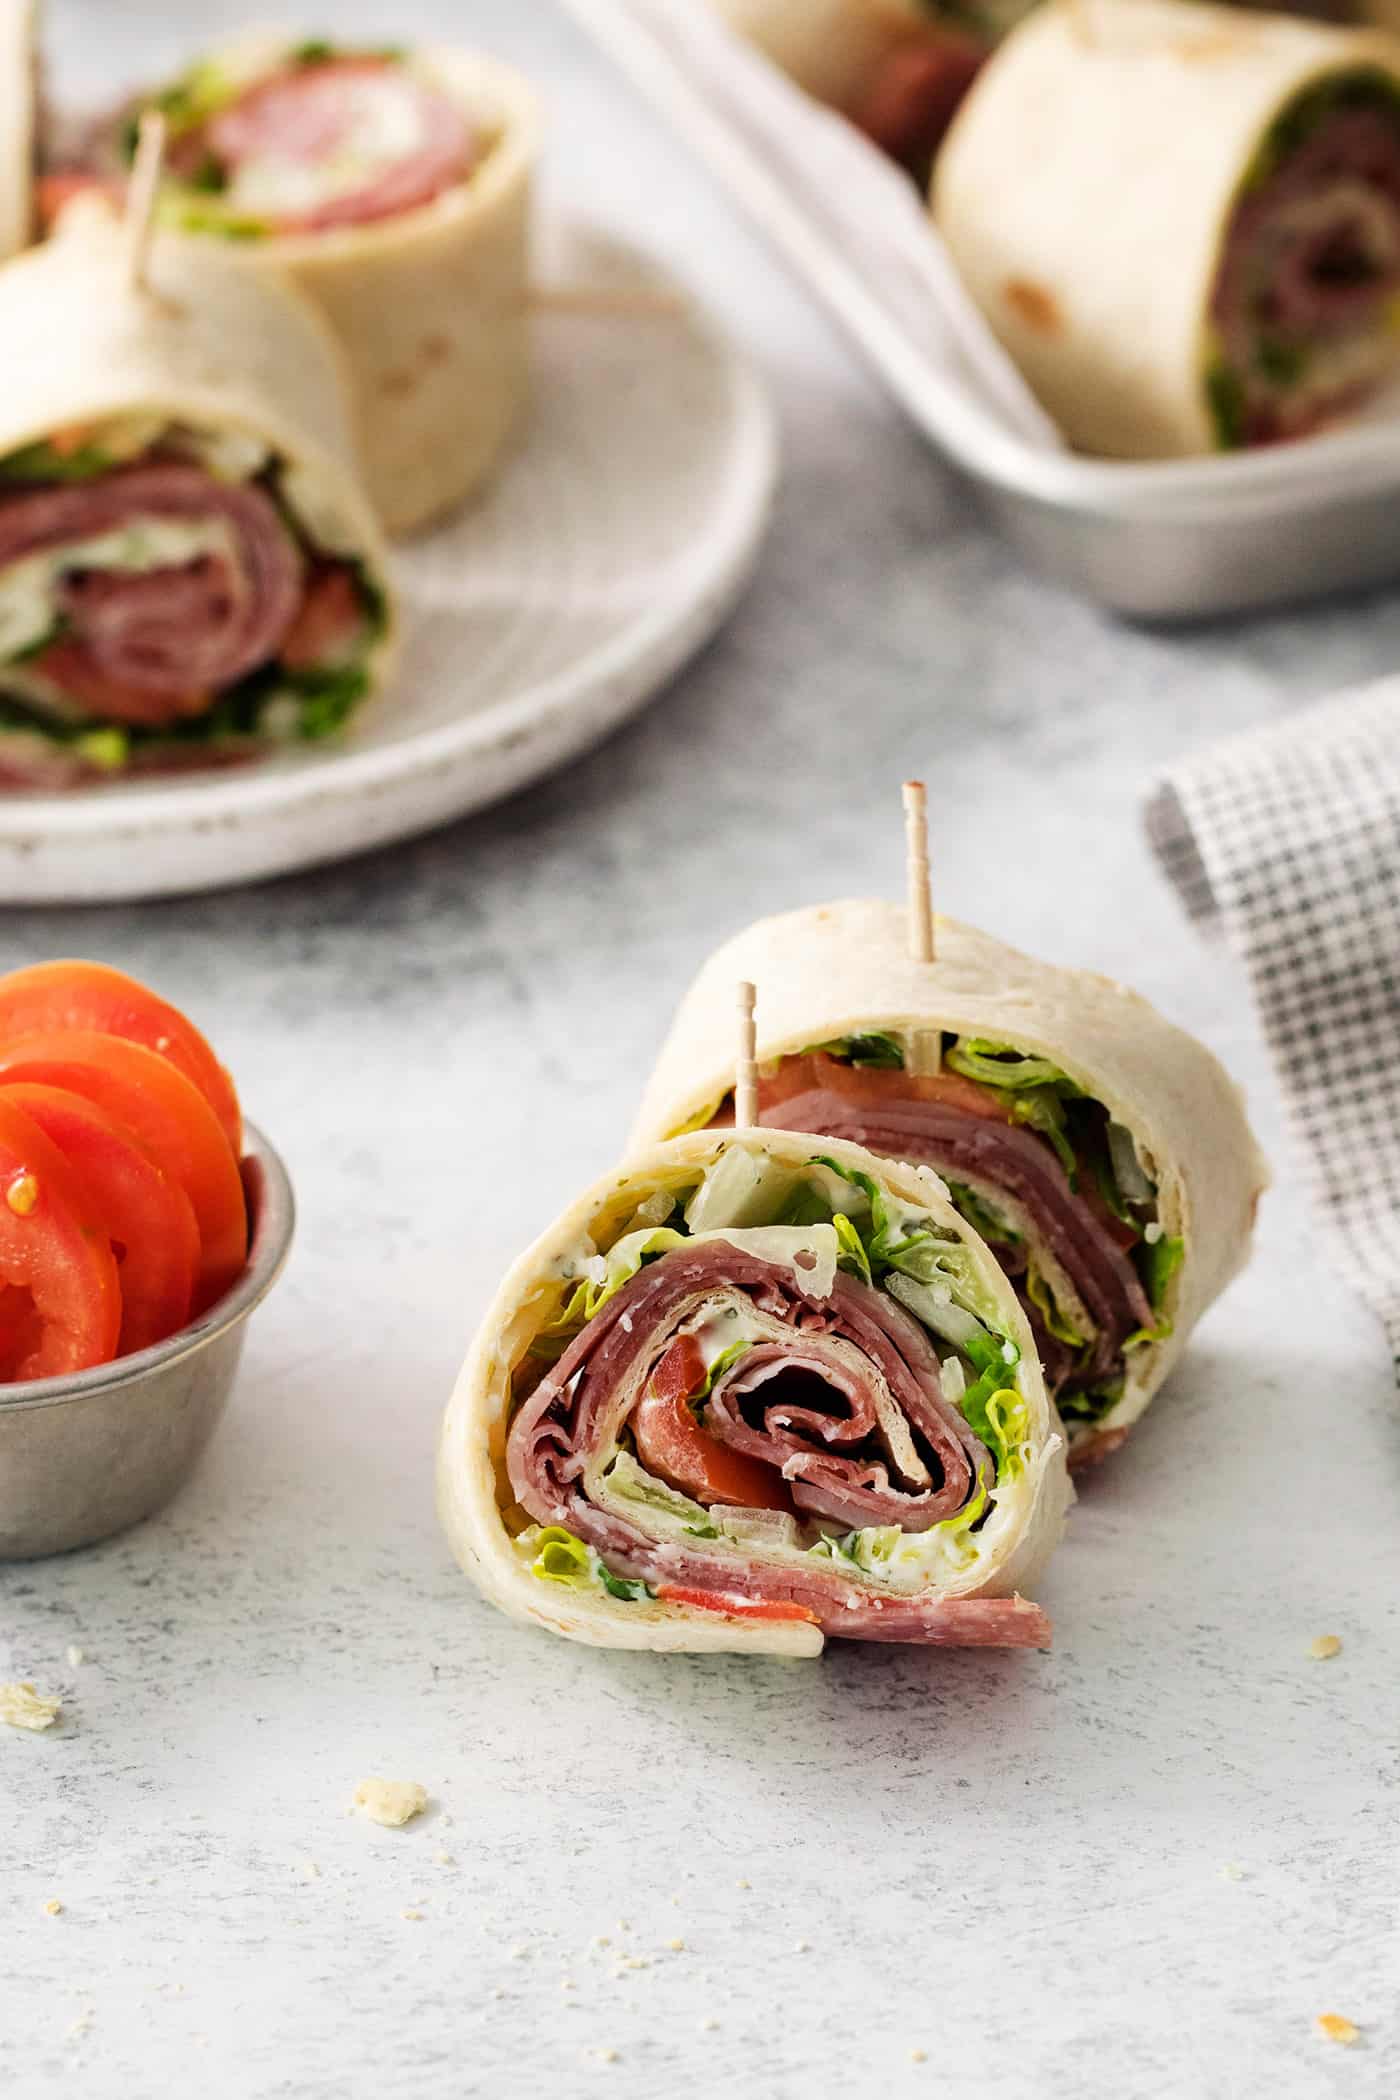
(91, 996)
(671, 1442)
(870, 1087)
(147, 1216)
(60, 1301)
(735, 1606)
(168, 1116)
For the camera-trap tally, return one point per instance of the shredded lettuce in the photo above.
(632, 1483)
(562, 1558)
(981, 1217)
(717, 1369)
(44, 461)
(1158, 1261)
(997, 1065)
(1043, 1299)
(874, 1051)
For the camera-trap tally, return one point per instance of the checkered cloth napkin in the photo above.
(1287, 840)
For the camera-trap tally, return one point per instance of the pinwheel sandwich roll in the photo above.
(1102, 1153)
(1182, 222)
(896, 68)
(18, 124)
(189, 571)
(750, 1392)
(394, 186)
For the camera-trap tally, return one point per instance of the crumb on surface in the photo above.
(1335, 2027)
(1324, 1647)
(53, 1907)
(413, 1915)
(310, 1871)
(24, 1707)
(443, 1859)
(743, 1884)
(918, 2056)
(392, 1802)
(803, 1947)
(676, 1946)
(76, 1657)
(709, 2024)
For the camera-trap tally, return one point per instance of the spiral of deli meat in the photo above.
(1311, 264)
(307, 114)
(147, 646)
(1001, 1156)
(869, 1439)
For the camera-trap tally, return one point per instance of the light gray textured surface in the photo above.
(1013, 1863)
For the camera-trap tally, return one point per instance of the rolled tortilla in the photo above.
(188, 568)
(18, 129)
(618, 1464)
(1163, 301)
(394, 187)
(896, 68)
(850, 1016)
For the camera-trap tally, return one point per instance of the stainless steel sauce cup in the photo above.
(85, 1456)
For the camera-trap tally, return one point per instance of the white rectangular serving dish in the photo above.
(1169, 540)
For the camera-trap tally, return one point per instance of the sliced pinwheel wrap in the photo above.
(753, 1391)
(897, 68)
(189, 572)
(394, 186)
(1102, 1153)
(1183, 222)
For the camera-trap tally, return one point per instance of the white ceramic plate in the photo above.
(611, 548)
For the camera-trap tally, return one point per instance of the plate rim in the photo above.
(728, 549)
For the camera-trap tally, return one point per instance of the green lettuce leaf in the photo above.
(41, 462)
(875, 1050)
(562, 1558)
(997, 1065)
(1045, 1303)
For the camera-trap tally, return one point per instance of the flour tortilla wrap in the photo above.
(840, 972)
(18, 99)
(428, 293)
(125, 410)
(569, 1505)
(1182, 222)
(896, 68)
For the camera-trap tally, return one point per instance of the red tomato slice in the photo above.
(168, 1117)
(60, 1301)
(91, 996)
(870, 1088)
(735, 1607)
(671, 1442)
(146, 1215)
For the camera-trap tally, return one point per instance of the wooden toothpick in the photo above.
(745, 1063)
(141, 195)
(916, 868)
(924, 1049)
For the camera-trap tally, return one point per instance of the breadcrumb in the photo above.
(392, 1802)
(75, 1657)
(1325, 1647)
(918, 2056)
(1230, 1872)
(53, 1907)
(24, 1707)
(676, 1946)
(1335, 2027)
(413, 1915)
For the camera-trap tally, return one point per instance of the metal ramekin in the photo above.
(85, 1456)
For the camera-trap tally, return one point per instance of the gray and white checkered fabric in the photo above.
(1288, 839)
